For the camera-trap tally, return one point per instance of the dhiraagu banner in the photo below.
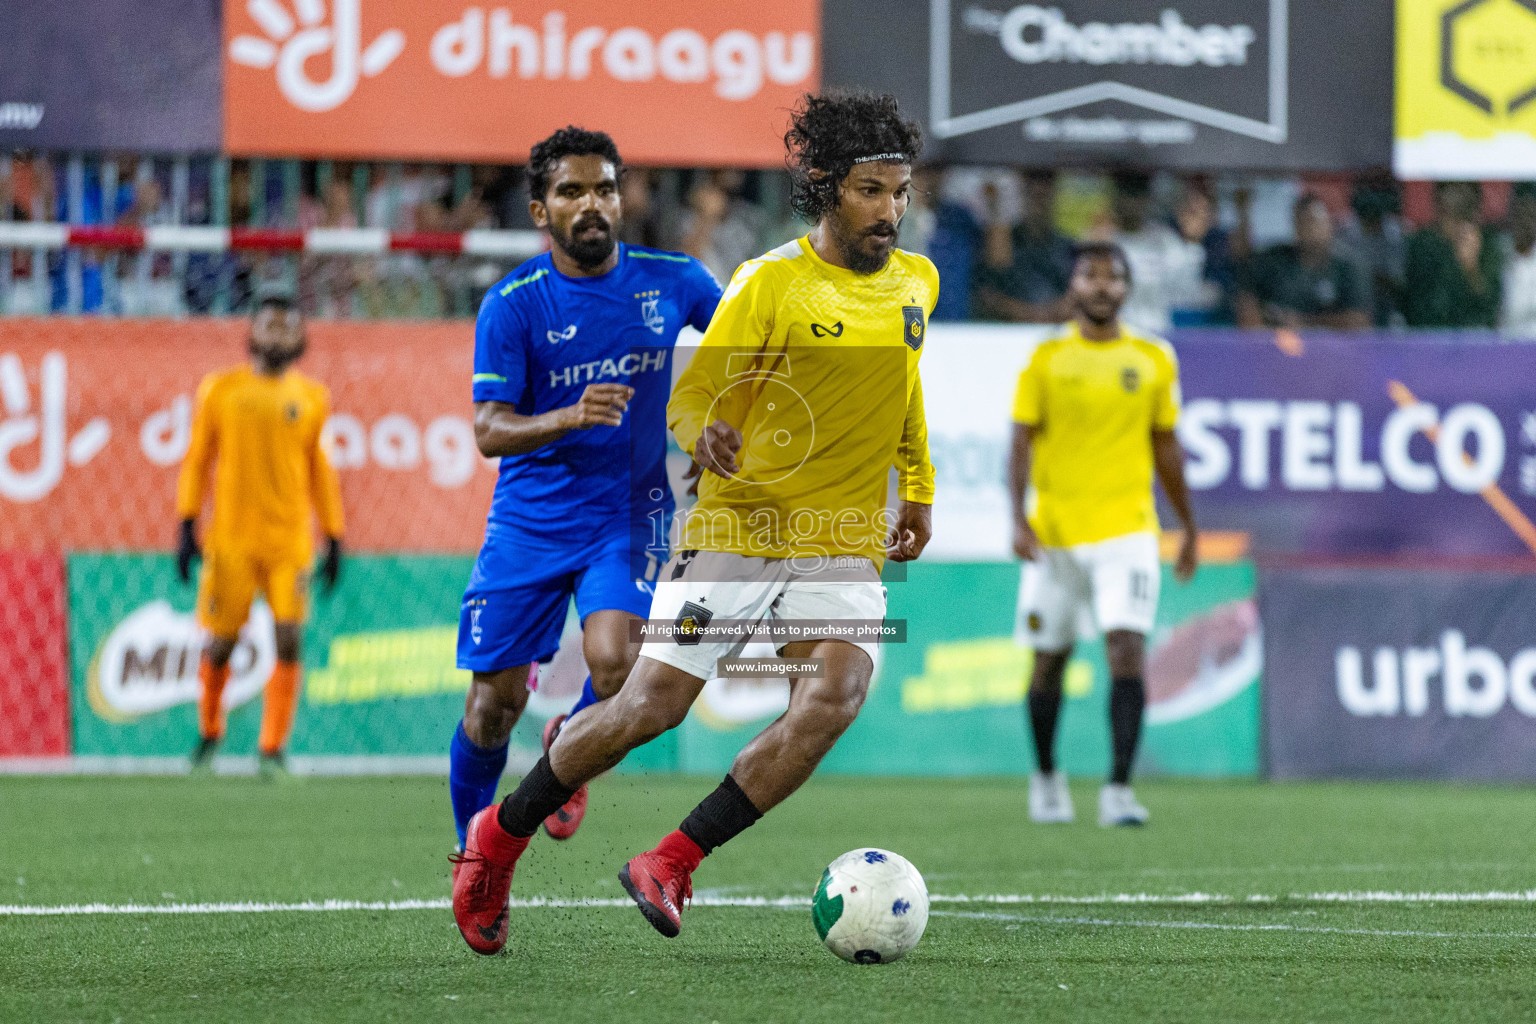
(950, 701)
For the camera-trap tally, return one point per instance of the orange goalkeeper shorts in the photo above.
(230, 581)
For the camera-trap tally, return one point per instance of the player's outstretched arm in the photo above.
(501, 430)
(1168, 457)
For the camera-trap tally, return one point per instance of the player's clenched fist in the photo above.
(600, 405)
(717, 447)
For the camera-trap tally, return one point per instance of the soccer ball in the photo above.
(871, 907)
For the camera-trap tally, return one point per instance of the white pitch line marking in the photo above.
(1191, 898)
(1218, 926)
(783, 902)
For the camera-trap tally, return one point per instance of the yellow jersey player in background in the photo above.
(258, 426)
(1094, 418)
(799, 401)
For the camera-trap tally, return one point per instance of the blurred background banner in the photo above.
(379, 651)
(1466, 89)
(102, 417)
(1394, 673)
(1207, 84)
(673, 82)
(950, 701)
(1312, 444)
(141, 75)
(1320, 444)
(1333, 444)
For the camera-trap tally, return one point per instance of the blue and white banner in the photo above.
(1392, 673)
(1402, 446)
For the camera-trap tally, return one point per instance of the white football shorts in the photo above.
(1115, 580)
(706, 588)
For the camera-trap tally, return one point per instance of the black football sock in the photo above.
(1127, 700)
(721, 816)
(538, 796)
(1044, 708)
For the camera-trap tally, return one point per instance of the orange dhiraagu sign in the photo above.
(674, 81)
(95, 417)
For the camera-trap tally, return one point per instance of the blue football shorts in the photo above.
(503, 627)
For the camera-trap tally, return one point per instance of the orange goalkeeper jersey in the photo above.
(262, 435)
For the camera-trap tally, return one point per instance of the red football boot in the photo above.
(482, 882)
(659, 885)
(564, 822)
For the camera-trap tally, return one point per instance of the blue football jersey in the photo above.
(541, 338)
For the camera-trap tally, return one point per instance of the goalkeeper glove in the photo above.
(330, 565)
(186, 551)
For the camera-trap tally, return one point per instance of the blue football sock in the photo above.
(473, 773)
(587, 699)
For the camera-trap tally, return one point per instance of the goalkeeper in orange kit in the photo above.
(259, 427)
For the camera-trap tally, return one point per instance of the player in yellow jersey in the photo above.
(802, 396)
(259, 427)
(1094, 417)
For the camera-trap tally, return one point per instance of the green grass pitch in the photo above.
(1309, 948)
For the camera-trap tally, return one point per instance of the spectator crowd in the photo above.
(1331, 253)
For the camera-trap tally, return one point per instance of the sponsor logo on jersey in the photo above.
(835, 331)
(914, 326)
(643, 361)
(556, 337)
(1130, 379)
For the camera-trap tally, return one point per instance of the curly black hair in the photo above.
(568, 141)
(831, 132)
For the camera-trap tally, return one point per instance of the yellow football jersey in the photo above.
(1094, 405)
(270, 471)
(817, 367)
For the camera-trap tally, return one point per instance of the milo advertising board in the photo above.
(380, 681)
(381, 689)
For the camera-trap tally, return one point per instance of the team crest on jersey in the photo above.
(556, 337)
(1130, 379)
(688, 629)
(913, 327)
(291, 412)
(650, 311)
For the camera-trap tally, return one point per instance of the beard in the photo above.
(1099, 312)
(276, 362)
(856, 254)
(591, 251)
